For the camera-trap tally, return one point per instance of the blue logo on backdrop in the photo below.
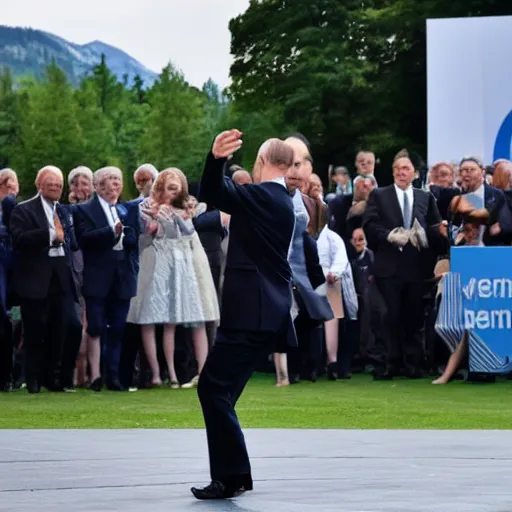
(486, 279)
(502, 146)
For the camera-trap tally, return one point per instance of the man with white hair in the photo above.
(42, 239)
(109, 279)
(144, 177)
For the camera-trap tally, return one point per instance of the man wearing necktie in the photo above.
(109, 277)
(42, 279)
(498, 230)
(400, 224)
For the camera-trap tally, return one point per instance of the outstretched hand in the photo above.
(226, 143)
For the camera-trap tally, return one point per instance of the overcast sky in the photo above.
(193, 34)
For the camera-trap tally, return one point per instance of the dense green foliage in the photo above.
(350, 75)
(104, 122)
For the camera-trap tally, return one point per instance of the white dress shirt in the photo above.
(332, 253)
(112, 218)
(479, 193)
(400, 196)
(49, 210)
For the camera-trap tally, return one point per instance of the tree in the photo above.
(109, 89)
(138, 90)
(300, 57)
(175, 134)
(49, 128)
(8, 117)
(97, 129)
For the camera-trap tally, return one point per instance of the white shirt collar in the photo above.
(407, 190)
(104, 202)
(281, 180)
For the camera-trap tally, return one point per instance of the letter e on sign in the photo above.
(484, 288)
(482, 320)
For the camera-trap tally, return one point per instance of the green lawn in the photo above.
(359, 403)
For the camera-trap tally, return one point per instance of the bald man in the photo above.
(314, 309)
(42, 238)
(256, 300)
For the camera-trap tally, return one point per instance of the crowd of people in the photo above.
(96, 292)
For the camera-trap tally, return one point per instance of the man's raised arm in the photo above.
(214, 188)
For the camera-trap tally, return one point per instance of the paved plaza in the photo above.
(294, 470)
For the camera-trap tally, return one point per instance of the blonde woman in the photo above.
(175, 285)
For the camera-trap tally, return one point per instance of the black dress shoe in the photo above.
(55, 387)
(414, 374)
(332, 373)
(115, 386)
(293, 378)
(383, 376)
(33, 387)
(6, 387)
(96, 385)
(218, 491)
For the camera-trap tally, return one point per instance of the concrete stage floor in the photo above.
(294, 470)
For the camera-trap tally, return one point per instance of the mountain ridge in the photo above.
(26, 50)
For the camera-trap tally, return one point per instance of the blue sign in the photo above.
(486, 298)
(502, 146)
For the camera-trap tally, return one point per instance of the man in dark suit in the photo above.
(256, 300)
(313, 309)
(211, 232)
(392, 233)
(9, 189)
(109, 275)
(472, 174)
(346, 211)
(42, 278)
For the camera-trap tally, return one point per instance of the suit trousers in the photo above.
(306, 358)
(228, 368)
(6, 349)
(403, 322)
(44, 329)
(71, 343)
(106, 317)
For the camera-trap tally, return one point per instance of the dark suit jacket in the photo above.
(105, 271)
(257, 282)
(338, 210)
(132, 221)
(313, 267)
(8, 204)
(211, 233)
(495, 202)
(382, 215)
(32, 266)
